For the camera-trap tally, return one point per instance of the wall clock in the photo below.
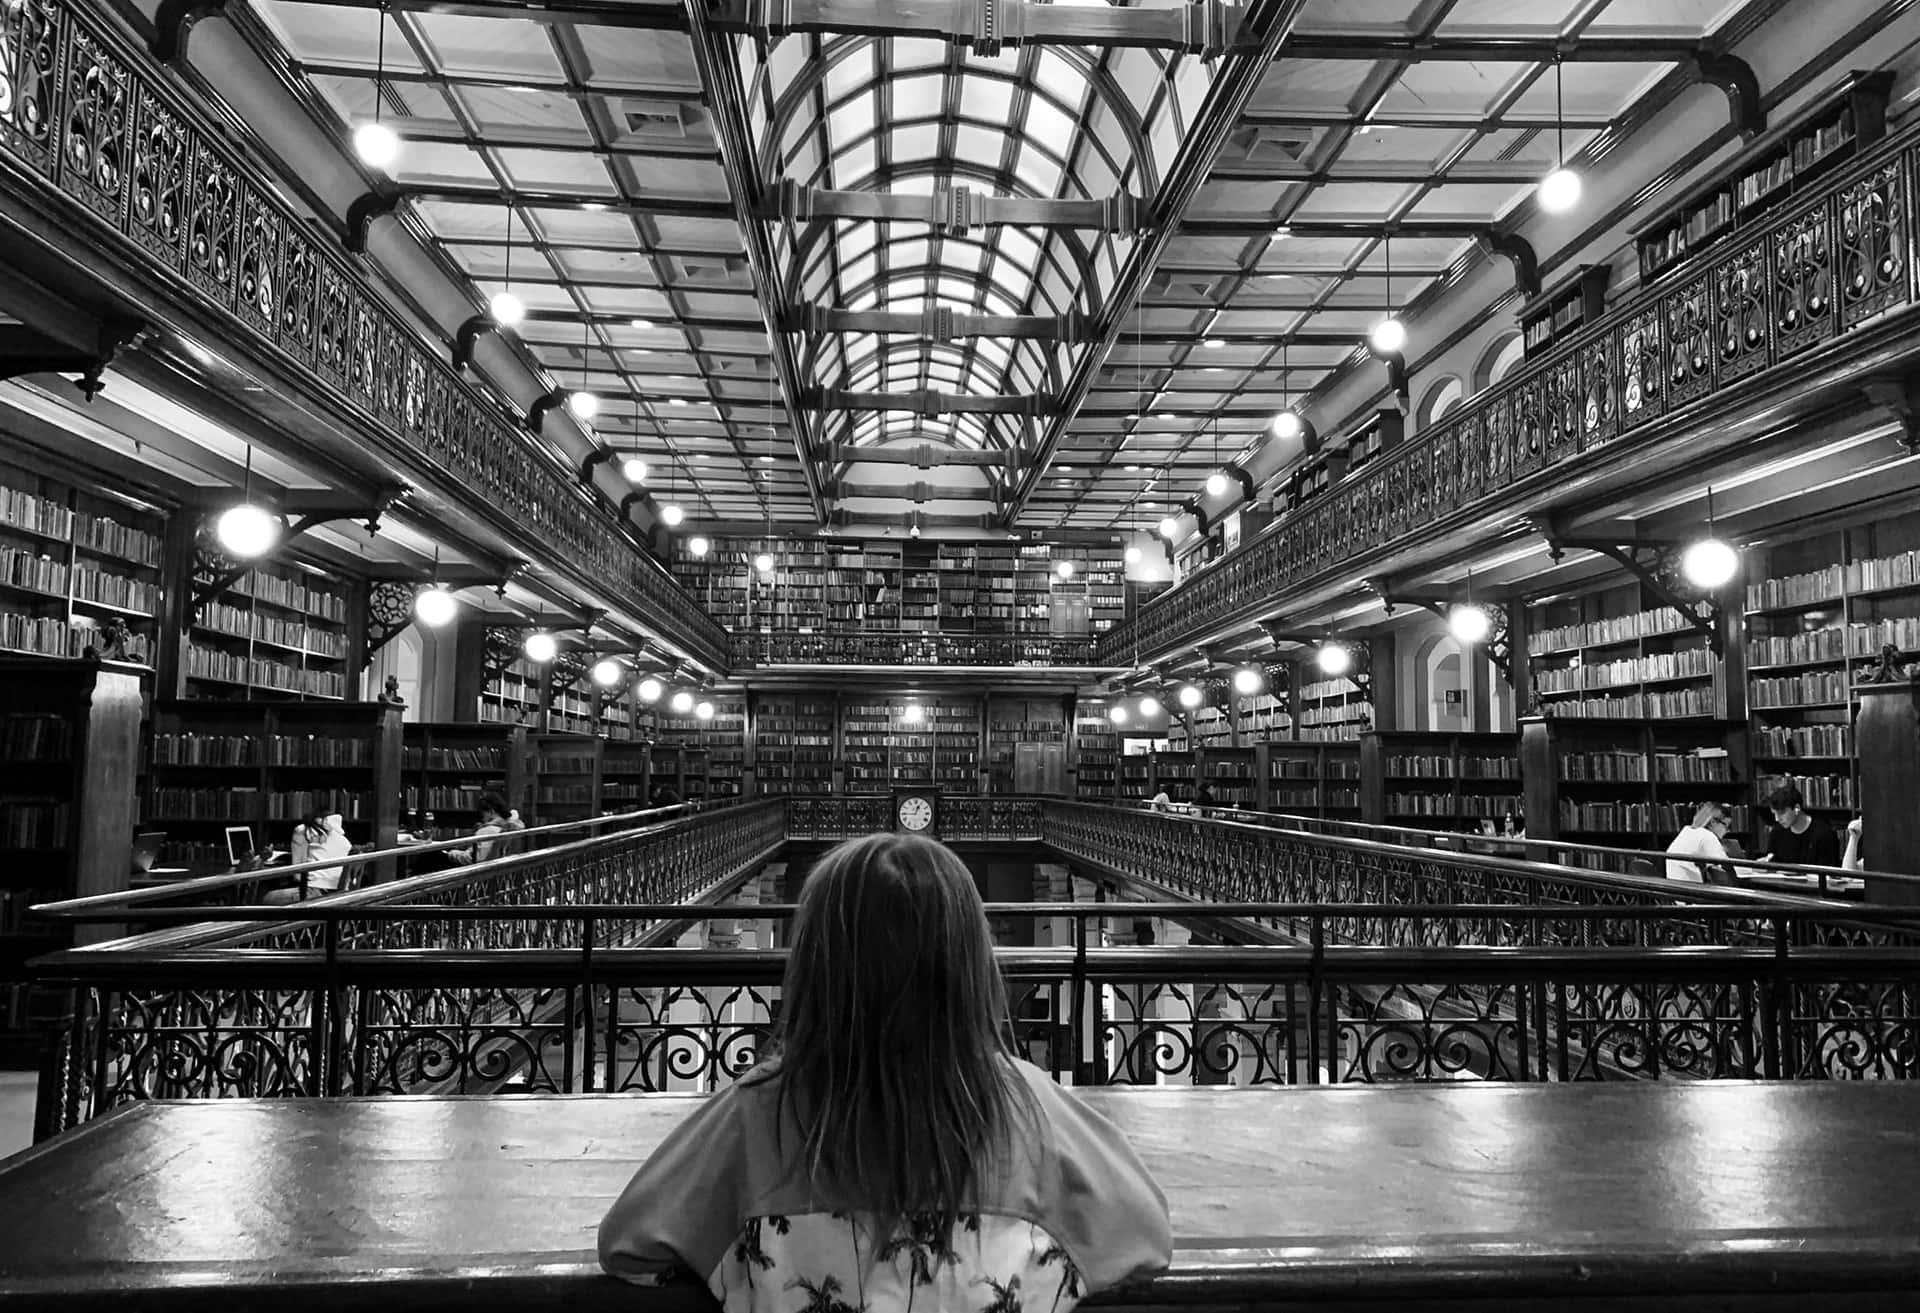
(916, 811)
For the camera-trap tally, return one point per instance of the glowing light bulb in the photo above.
(434, 607)
(682, 702)
(377, 145)
(1117, 714)
(912, 714)
(583, 405)
(1216, 484)
(1389, 336)
(607, 672)
(704, 710)
(1169, 528)
(1149, 707)
(698, 545)
(1133, 555)
(1334, 659)
(671, 515)
(650, 689)
(1064, 569)
(763, 563)
(541, 647)
(1469, 623)
(633, 470)
(1247, 680)
(1288, 425)
(1190, 696)
(1560, 190)
(246, 531)
(1709, 563)
(507, 309)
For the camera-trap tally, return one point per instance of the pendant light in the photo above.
(606, 672)
(1334, 658)
(1133, 554)
(1287, 425)
(670, 513)
(633, 469)
(1469, 622)
(1559, 190)
(247, 532)
(1216, 481)
(1709, 563)
(434, 606)
(764, 561)
(541, 647)
(377, 145)
(583, 404)
(1389, 336)
(506, 308)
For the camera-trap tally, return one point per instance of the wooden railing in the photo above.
(869, 648)
(86, 112)
(1836, 259)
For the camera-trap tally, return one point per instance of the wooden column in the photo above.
(1887, 740)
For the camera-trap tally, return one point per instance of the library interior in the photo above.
(1386, 536)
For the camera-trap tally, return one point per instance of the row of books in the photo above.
(263, 672)
(240, 622)
(35, 736)
(42, 515)
(1687, 702)
(1900, 570)
(1829, 791)
(1652, 819)
(91, 584)
(1449, 804)
(1804, 741)
(1806, 688)
(174, 803)
(317, 603)
(108, 536)
(42, 635)
(473, 759)
(34, 824)
(33, 571)
(1692, 663)
(1597, 633)
(449, 797)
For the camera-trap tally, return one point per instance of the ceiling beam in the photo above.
(1203, 27)
(953, 209)
(598, 13)
(928, 402)
(937, 324)
(920, 455)
(670, 206)
(1253, 225)
(1493, 49)
(1269, 22)
(720, 77)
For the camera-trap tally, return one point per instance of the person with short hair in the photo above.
(892, 1154)
(497, 819)
(315, 839)
(1798, 837)
(1703, 839)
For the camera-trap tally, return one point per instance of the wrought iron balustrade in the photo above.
(1213, 861)
(233, 1023)
(868, 648)
(89, 113)
(1835, 260)
(849, 816)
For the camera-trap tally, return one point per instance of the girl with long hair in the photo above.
(892, 1153)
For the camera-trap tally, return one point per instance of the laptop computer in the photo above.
(146, 850)
(240, 846)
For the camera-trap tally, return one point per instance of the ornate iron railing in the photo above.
(1834, 261)
(891, 649)
(848, 816)
(232, 1023)
(1219, 862)
(89, 113)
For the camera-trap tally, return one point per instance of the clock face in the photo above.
(915, 814)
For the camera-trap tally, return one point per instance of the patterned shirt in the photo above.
(1072, 1212)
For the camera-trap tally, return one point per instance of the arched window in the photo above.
(1498, 360)
(1442, 397)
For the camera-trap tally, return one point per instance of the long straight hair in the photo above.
(892, 1036)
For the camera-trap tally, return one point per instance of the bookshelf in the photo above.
(1564, 309)
(1333, 711)
(884, 748)
(1439, 780)
(1012, 722)
(1096, 755)
(566, 776)
(574, 709)
(1311, 779)
(72, 561)
(1266, 716)
(281, 629)
(1748, 189)
(268, 765)
(69, 744)
(625, 783)
(1604, 654)
(1631, 784)
(513, 697)
(793, 743)
(725, 739)
(447, 766)
(1232, 773)
(1813, 630)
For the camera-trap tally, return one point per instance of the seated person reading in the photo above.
(315, 840)
(1797, 837)
(1702, 839)
(497, 820)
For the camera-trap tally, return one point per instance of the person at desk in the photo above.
(315, 840)
(1204, 799)
(1702, 839)
(1161, 802)
(1798, 838)
(497, 819)
(666, 795)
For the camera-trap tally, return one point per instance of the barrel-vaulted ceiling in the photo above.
(842, 262)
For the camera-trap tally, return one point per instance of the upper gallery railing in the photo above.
(873, 649)
(89, 113)
(1834, 260)
(1213, 861)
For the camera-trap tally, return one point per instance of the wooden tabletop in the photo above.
(1412, 1196)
